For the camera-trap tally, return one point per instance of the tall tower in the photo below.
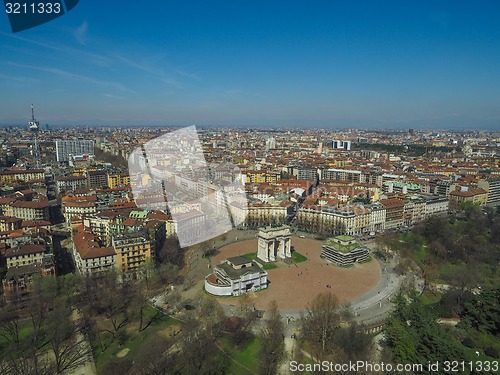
(34, 127)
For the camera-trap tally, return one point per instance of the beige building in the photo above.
(261, 214)
(24, 255)
(133, 249)
(437, 206)
(474, 196)
(28, 206)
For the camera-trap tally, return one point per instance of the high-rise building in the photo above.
(270, 143)
(65, 148)
(341, 145)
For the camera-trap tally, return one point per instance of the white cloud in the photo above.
(80, 33)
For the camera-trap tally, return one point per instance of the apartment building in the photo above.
(394, 213)
(78, 206)
(65, 148)
(133, 249)
(22, 175)
(89, 254)
(70, 183)
(467, 195)
(118, 180)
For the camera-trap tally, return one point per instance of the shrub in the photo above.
(492, 352)
(469, 342)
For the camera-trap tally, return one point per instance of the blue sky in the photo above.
(258, 63)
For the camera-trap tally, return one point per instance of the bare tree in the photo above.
(13, 358)
(211, 315)
(352, 344)
(66, 341)
(322, 319)
(248, 314)
(157, 357)
(199, 353)
(272, 349)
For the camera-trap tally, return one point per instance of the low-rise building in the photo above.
(236, 276)
(466, 195)
(344, 251)
(19, 279)
(22, 175)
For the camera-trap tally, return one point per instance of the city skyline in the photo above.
(257, 65)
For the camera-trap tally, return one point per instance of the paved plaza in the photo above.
(294, 286)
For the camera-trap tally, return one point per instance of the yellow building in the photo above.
(22, 175)
(262, 176)
(132, 250)
(118, 179)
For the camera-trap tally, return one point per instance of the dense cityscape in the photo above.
(68, 209)
(249, 188)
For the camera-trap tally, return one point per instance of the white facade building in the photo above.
(236, 276)
(67, 147)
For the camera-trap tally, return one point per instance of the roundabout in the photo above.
(294, 285)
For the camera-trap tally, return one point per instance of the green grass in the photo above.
(343, 248)
(484, 340)
(448, 269)
(421, 254)
(345, 238)
(246, 354)
(269, 266)
(134, 341)
(250, 256)
(25, 330)
(429, 298)
(298, 258)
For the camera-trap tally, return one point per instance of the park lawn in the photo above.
(489, 274)
(429, 298)
(447, 269)
(298, 258)
(421, 254)
(250, 256)
(246, 354)
(25, 329)
(134, 340)
(269, 266)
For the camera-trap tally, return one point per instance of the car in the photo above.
(302, 236)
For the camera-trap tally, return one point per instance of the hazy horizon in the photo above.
(253, 64)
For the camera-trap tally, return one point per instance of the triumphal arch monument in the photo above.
(274, 243)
